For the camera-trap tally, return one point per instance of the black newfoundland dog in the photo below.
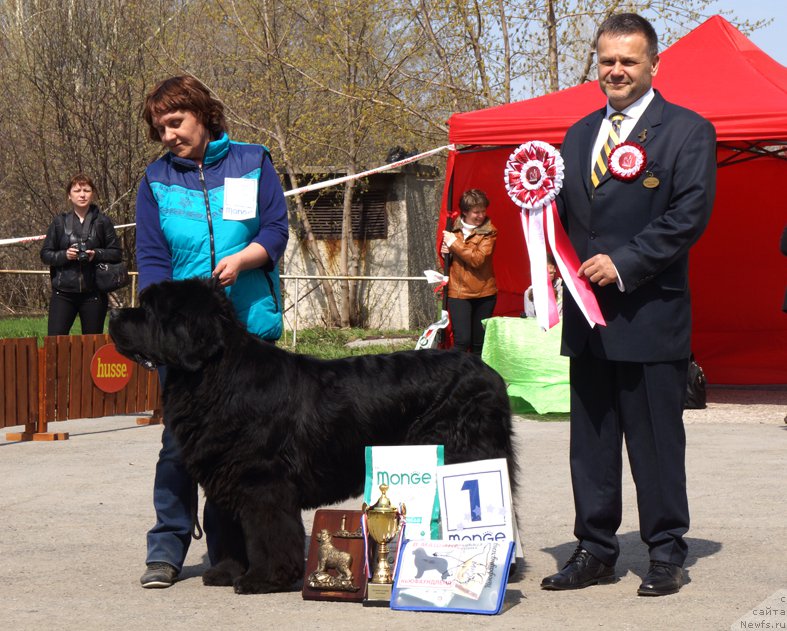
(267, 433)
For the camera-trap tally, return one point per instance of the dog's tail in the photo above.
(484, 431)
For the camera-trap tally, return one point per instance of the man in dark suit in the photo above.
(632, 228)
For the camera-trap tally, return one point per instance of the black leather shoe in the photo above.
(662, 579)
(581, 570)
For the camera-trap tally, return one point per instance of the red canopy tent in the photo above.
(737, 272)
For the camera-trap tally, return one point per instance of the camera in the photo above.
(82, 255)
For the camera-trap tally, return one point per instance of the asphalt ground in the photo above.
(73, 517)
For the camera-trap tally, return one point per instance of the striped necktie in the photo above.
(602, 159)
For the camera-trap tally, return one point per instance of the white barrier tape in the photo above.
(355, 176)
(295, 191)
(22, 239)
(41, 237)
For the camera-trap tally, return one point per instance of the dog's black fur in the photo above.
(267, 432)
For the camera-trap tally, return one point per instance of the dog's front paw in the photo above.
(253, 583)
(217, 577)
(223, 574)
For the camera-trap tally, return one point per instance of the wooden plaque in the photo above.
(327, 563)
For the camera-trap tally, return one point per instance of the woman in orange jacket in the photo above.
(472, 291)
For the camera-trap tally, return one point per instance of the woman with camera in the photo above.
(75, 242)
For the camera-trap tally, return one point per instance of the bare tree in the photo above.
(75, 76)
(329, 86)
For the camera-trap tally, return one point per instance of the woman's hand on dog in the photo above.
(227, 270)
(252, 256)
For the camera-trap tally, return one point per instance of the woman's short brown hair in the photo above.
(472, 198)
(184, 93)
(79, 178)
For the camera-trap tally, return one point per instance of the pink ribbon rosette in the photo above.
(533, 178)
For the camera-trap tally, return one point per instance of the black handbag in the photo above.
(696, 396)
(111, 276)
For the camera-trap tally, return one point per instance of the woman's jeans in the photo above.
(175, 501)
(466, 316)
(91, 306)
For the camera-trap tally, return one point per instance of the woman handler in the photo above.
(208, 207)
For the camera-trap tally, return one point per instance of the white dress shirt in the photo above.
(632, 115)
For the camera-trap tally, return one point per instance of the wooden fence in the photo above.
(53, 383)
(19, 396)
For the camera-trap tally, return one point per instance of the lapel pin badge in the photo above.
(643, 135)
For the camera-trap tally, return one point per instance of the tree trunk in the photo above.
(506, 52)
(345, 251)
(309, 242)
(552, 68)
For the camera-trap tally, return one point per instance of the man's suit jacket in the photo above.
(647, 232)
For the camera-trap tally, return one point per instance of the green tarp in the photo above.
(530, 362)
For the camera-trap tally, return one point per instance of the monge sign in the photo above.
(109, 369)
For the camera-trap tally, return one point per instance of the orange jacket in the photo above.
(471, 274)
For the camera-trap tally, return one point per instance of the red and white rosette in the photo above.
(533, 177)
(534, 174)
(627, 160)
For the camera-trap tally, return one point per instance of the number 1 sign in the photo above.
(475, 502)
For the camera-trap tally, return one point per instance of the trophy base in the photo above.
(378, 595)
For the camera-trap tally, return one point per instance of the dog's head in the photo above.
(180, 324)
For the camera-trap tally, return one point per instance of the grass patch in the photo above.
(30, 327)
(553, 417)
(323, 343)
(332, 343)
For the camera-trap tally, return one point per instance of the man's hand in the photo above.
(599, 270)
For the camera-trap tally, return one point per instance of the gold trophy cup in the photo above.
(383, 521)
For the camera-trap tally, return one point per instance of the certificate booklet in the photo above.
(458, 576)
(475, 502)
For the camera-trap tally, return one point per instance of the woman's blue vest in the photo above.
(191, 204)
